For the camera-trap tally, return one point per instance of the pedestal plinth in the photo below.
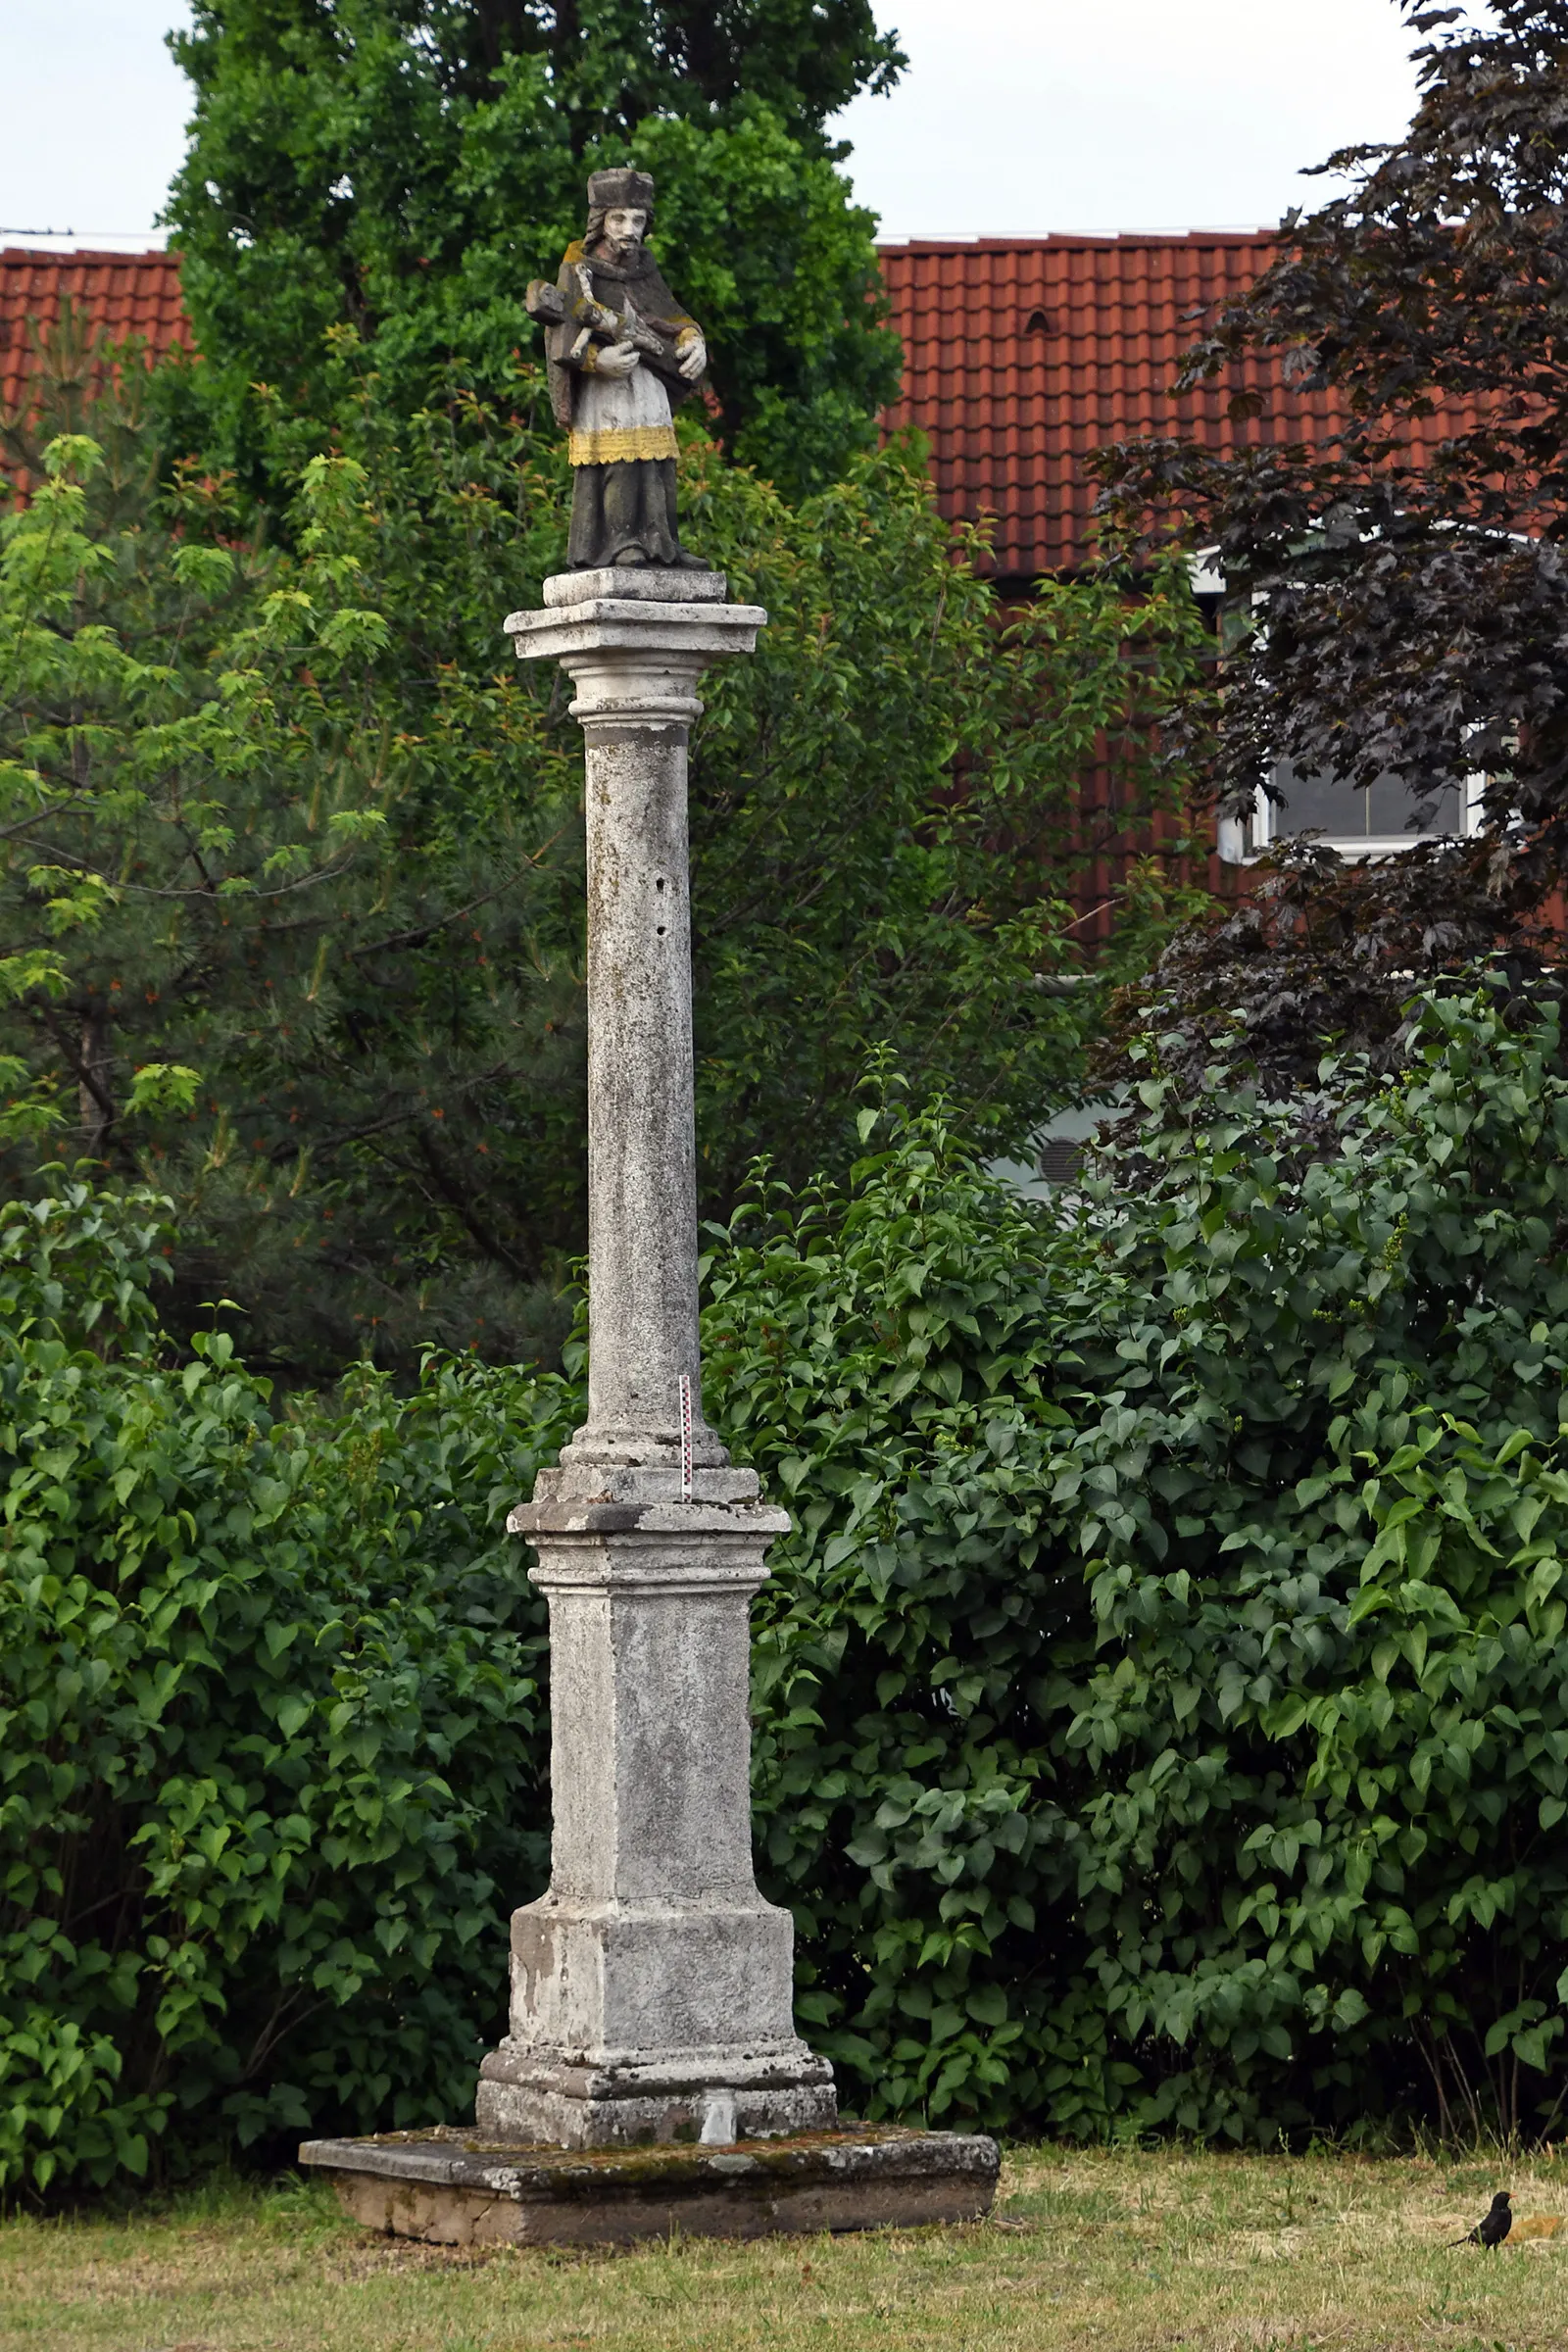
(651, 1988)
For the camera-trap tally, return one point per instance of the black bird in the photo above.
(1492, 2227)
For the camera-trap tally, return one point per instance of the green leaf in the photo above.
(293, 1713)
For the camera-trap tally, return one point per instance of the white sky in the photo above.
(1016, 116)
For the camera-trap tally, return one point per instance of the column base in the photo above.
(714, 2096)
(641, 583)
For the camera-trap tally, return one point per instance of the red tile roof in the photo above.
(125, 294)
(1022, 355)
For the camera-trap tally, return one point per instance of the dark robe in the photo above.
(624, 507)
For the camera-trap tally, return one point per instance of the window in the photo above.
(1371, 822)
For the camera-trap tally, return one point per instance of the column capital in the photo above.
(635, 656)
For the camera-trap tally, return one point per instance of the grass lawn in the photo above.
(1085, 2249)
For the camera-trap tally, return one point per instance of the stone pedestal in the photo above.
(651, 1988)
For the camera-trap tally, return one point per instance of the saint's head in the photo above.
(620, 210)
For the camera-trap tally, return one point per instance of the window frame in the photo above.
(1256, 835)
(1244, 839)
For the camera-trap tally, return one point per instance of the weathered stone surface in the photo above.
(710, 2094)
(653, 583)
(636, 666)
(467, 2188)
(652, 1981)
(652, 1986)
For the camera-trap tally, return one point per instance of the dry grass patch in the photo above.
(1118, 2251)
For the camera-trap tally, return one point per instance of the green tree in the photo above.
(296, 821)
(243, 955)
(405, 166)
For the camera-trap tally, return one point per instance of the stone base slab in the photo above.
(462, 2188)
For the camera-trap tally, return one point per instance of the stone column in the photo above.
(652, 1986)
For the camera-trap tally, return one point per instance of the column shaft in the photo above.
(642, 1151)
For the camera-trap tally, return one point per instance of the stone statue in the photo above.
(620, 350)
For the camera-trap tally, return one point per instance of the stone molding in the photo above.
(634, 661)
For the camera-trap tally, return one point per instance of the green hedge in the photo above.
(1167, 1698)
(272, 1727)
(1162, 1704)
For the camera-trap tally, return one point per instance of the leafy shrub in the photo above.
(269, 1722)
(1166, 1698)
(1162, 1704)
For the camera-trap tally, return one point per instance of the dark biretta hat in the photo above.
(631, 191)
